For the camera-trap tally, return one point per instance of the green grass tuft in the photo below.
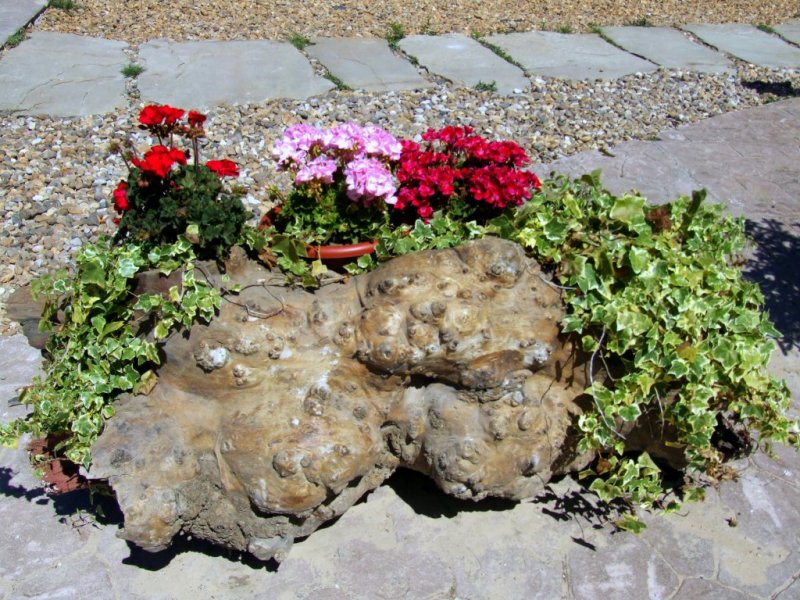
(15, 39)
(62, 4)
(640, 22)
(766, 28)
(396, 33)
(132, 70)
(496, 49)
(340, 85)
(299, 41)
(483, 86)
(597, 30)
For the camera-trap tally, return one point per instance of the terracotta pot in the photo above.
(336, 257)
(266, 220)
(60, 474)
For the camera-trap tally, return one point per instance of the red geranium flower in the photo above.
(171, 114)
(224, 167)
(121, 197)
(196, 119)
(153, 115)
(159, 160)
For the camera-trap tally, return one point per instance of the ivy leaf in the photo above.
(318, 269)
(92, 271)
(630, 413)
(630, 523)
(628, 209)
(127, 268)
(161, 330)
(638, 258)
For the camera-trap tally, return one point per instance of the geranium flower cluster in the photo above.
(164, 122)
(453, 164)
(166, 196)
(358, 156)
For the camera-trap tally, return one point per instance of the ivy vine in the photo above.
(104, 338)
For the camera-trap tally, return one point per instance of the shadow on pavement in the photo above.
(775, 266)
(425, 498)
(18, 491)
(155, 561)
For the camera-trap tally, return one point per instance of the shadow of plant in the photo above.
(778, 89)
(773, 264)
(17, 491)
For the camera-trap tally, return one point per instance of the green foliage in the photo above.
(395, 34)
(104, 338)
(191, 200)
(340, 85)
(640, 22)
(299, 41)
(132, 70)
(62, 4)
(657, 291)
(320, 215)
(16, 38)
(482, 86)
(766, 28)
(441, 231)
(564, 29)
(478, 37)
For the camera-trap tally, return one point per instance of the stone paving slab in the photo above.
(211, 73)
(63, 75)
(790, 31)
(749, 44)
(668, 48)
(16, 14)
(407, 540)
(366, 64)
(464, 61)
(570, 56)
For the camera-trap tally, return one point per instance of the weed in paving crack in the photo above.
(299, 41)
(132, 70)
(15, 39)
(483, 86)
(396, 33)
(340, 85)
(640, 22)
(476, 35)
(62, 4)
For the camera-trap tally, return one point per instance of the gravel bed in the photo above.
(137, 21)
(56, 175)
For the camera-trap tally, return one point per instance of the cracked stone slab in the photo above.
(16, 14)
(570, 56)
(464, 61)
(626, 568)
(790, 31)
(669, 48)
(212, 73)
(63, 75)
(749, 44)
(366, 64)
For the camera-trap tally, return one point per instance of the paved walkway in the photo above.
(68, 75)
(409, 541)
